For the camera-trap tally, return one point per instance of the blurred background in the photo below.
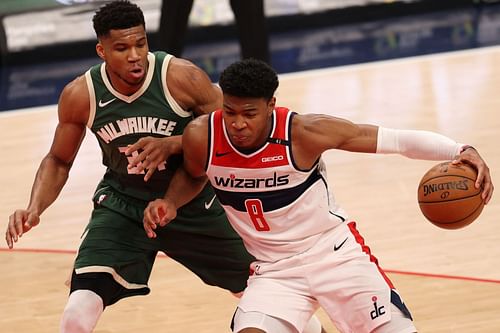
(46, 43)
(447, 278)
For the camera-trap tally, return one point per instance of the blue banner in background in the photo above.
(364, 42)
(34, 85)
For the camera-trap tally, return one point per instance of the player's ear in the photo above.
(271, 104)
(100, 50)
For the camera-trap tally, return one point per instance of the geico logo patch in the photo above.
(272, 158)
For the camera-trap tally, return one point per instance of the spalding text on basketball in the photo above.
(456, 185)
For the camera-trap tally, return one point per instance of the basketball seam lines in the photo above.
(441, 176)
(450, 222)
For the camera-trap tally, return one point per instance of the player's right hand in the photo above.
(472, 157)
(20, 221)
(158, 212)
(149, 152)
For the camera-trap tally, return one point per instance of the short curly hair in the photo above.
(121, 14)
(249, 78)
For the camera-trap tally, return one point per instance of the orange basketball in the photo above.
(447, 196)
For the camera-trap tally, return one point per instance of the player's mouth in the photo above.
(137, 72)
(239, 140)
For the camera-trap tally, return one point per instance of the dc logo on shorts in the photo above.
(378, 310)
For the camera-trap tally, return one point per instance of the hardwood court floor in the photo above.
(449, 279)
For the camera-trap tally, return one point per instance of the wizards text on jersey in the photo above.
(234, 182)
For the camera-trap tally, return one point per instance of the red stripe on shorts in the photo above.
(361, 241)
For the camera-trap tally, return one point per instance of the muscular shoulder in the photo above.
(321, 124)
(305, 125)
(182, 71)
(74, 101)
(196, 131)
(325, 132)
(191, 87)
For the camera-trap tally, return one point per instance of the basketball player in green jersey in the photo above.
(133, 94)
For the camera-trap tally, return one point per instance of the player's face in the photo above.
(125, 52)
(248, 120)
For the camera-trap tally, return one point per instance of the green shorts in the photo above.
(201, 239)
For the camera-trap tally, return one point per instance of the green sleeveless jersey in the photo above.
(118, 120)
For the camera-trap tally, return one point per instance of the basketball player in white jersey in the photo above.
(265, 165)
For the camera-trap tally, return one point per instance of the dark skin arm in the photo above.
(193, 91)
(52, 174)
(314, 134)
(188, 180)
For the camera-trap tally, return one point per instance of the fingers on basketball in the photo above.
(448, 197)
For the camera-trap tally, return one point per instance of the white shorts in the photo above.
(339, 274)
(399, 323)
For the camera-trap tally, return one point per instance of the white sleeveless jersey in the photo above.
(277, 209)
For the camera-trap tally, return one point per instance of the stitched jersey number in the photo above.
(256, 213)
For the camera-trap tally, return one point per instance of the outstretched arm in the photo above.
(53, 171)
(188, 181)
(315, 134)
(433, 146)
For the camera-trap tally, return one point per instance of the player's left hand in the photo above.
(149, 152)
(158, 213)
(472, 157)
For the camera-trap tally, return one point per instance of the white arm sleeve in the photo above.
(423, 145)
